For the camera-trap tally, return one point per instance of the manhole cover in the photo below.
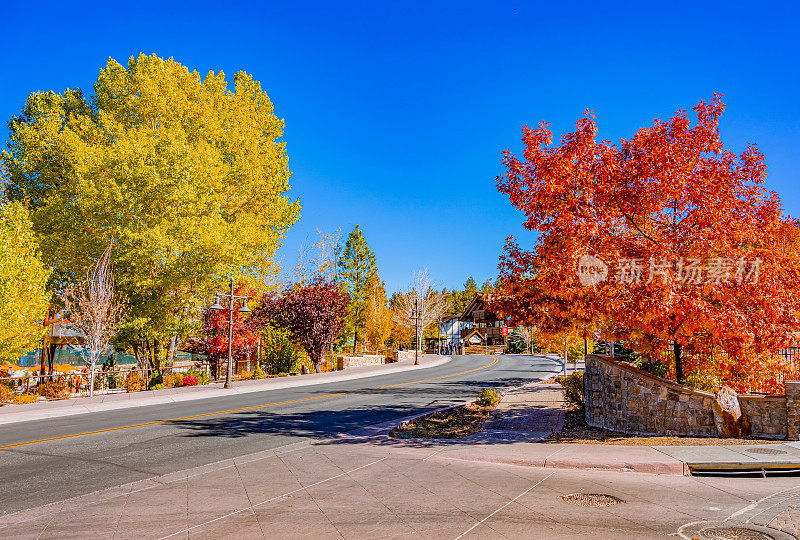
(592, 499)
(733, 533)
(769, 451)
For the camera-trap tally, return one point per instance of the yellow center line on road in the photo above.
(240, 409)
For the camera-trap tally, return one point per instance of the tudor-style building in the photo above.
(486, 329)
(476, 330)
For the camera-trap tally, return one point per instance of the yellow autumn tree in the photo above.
(187, 176)
(379, 317)
(23, 297)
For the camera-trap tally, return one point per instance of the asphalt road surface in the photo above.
(50, 471)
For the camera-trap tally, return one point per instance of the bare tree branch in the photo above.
(430, 303)
(94, 310)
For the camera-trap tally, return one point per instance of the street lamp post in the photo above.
(416, 315)
(244, 309)
(439, 341)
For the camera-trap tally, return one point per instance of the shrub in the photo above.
(258, 373)
(702, 381)
(487, 397)
(156, 380)
(517, 343)
(22, 399)
(652, 366)
(189, 380)
(172, 380)
(55, 389)
(158, 386)
(573, 389)
(133, 383)
(280, 351)
(6, 394)
(201, 376)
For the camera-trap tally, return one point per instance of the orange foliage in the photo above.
(667, 202)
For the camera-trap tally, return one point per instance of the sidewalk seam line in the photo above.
(270, 500)
(509, 502)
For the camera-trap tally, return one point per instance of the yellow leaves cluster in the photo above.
(188, 178)
(23, 298)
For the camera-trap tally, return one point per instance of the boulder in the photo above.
(728, 415)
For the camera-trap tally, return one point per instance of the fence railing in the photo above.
(105, 379)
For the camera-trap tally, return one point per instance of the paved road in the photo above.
(37, 474)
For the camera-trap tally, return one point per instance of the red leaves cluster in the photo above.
(312, 311)
(671, 193)
(214, 341)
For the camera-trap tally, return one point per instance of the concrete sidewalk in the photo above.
(357, 486)
(107, 402)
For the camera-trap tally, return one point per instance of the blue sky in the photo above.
(397, 113)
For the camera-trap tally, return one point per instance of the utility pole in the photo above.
(416, 316)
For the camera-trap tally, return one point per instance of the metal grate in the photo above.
(768, 451)
(592, 499)
(733, 533)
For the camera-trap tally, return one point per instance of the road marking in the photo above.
(229, 411)
(271, 499)
(509, 502)
(430, 456)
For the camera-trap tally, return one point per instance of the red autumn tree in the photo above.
(312, 311)
(214, 340)
(698, 253)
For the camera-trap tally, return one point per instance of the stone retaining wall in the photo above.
(344, 362)
(400, 356)
(621, 397)
(767, 415)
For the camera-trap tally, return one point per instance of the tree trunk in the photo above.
(316, 367)
(173, 345)
(91, 378)
(678, 362)
(355, 340)
(156, 355)
(50, 356)
(565, 357)
(138, 355)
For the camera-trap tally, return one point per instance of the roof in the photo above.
(475, 332)
(478, 304)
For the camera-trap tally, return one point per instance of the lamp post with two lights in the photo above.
(219, 307)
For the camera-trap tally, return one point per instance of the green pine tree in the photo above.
(357, 268)
(469, 292)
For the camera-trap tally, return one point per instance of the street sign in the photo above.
(505, 331)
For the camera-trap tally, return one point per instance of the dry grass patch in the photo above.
(454, 423)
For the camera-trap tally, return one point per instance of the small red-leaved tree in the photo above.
(313, 312)
(698, 254)
(214, 340)
(94, 309)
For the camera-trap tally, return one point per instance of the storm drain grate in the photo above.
(592, 499)
(768, 451)
(733, 533)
